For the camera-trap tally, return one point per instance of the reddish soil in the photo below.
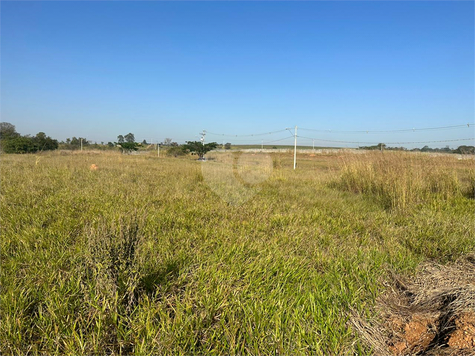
(463, 337)
(418, 335)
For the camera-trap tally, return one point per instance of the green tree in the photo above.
(44, 143)
(198, 148)
(28, 144)
(465, 149)
(129, 137)
(75, 142)
(128, 147)
(227, 146)
(20, 144)
(120, 139)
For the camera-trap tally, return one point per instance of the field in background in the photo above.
(140, 256)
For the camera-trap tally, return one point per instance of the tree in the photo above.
(167, 141)
(44, 143)
(75, 142)
(465, 150)
(7, 131)
(381, 146)
(120, 139)
(198, 147)
(20, 144)
(144, 142)
(110, 144)
(128, 147)
(28, 144)
(227, 146)
(129, 137)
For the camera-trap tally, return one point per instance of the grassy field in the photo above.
(141, 257)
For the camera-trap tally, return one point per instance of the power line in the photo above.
(349, 131)
(248, 135)
(388, 143)
(250, 141)
(282, 139)
(388, 131)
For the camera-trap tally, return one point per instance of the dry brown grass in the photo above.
(431, 314)
(399, 180)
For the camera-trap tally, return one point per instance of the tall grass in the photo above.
(399, 180)
(142, 257)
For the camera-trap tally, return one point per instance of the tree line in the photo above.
(459, 150)
(12, 142)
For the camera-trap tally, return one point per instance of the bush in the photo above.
(175, 151)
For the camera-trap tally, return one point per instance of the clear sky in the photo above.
(172, 69)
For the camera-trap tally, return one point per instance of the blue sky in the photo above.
(172, 69)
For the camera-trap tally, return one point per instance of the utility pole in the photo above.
(202, 139)
(81, 143)
(158, 149)
(262, 145)
(295, 147)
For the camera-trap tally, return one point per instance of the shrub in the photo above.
(175, 151)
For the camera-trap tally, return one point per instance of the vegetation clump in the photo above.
(399, 180)
(431, 313)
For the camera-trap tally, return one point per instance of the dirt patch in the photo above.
(432, 313)
(464, 335)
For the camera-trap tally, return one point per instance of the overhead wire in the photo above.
(387, 143)
(449, 127)
(247, 135)
(390, 131)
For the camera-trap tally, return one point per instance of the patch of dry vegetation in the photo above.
(399, 180)
(432, 313)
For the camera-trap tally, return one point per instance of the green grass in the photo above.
(141, 257)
